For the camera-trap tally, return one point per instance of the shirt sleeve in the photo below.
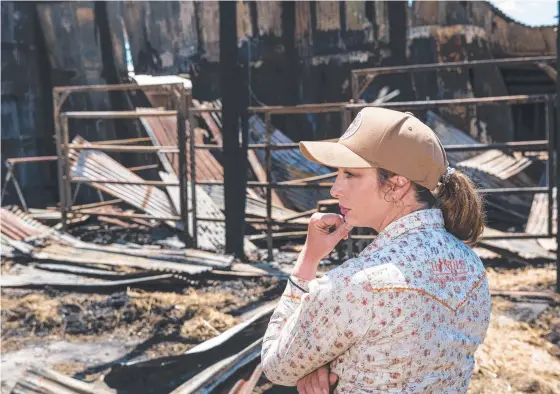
(309, 329)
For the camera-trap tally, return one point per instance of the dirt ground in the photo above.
(82, 335)
(519, 356)
(71, 332)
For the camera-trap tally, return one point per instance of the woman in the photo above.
(408, 314)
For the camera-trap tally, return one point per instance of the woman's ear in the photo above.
(401, 185)
(399, 181)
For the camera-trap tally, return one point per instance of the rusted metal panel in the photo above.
(163, 131)
(288, 165)
(97, 165)
(211, 234)
(491, 169)
(45, 381)
(18, 226)
(510, 37)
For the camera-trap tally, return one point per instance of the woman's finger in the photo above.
(301, 386)
(309, 385)
(327, 219)
(323, 376)
(315, 384)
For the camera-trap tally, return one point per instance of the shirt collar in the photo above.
(416, 220)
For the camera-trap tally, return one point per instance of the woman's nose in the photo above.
(335, 189)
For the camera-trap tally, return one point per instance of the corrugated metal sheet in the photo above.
(538, 219)
(117, 258)
(16, 225)
(495, 162)
(489, 170)
(288, 165)
(163, 131)
(254, 206)
(19, 226)
(211, 235)
(214, 124)
(19, 230)
(525, 248)
(46, 381)
(97, 165)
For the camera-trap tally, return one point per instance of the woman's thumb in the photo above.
(332, 378)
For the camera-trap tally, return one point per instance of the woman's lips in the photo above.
(344, 210)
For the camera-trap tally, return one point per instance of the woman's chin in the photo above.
(348, 219)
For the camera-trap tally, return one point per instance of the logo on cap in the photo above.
(354, 126)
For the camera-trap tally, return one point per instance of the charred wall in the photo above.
(26, 103)
(294, 52)
(506, 36)
(459, 30)
(432, 44)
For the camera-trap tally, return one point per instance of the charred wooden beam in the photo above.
(235, 157)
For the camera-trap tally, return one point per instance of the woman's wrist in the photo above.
(306, 266)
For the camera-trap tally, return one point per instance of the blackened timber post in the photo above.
(232, 89)
(180, 99)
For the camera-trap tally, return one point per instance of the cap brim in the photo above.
(332, 154)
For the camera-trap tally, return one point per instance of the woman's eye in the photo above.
(348, 174)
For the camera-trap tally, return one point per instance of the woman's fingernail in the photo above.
(325, 391)
(347, 226)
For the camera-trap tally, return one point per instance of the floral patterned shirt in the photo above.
(406, 316)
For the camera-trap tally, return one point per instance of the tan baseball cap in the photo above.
(383, 138)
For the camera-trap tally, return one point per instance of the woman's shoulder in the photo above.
(360, 274)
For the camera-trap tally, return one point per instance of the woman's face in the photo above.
(362, 201)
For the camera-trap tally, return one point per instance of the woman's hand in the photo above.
(324, 232)
(317, 382)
